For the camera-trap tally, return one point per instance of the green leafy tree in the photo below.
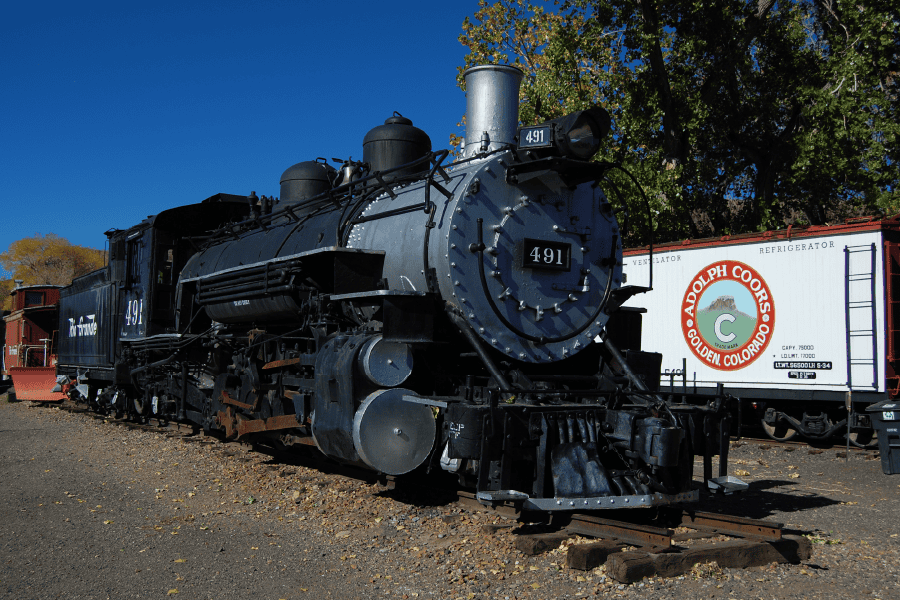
(734, 115)
(49, 259)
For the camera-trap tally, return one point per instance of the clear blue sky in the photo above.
(112, 111)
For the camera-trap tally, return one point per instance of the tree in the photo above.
(734, 115)
(6, 286)
(49, 260)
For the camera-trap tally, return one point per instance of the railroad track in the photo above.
(824, 445)
(664, 544)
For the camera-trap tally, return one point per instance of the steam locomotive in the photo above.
(403, 314)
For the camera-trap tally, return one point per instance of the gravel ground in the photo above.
(94, 510)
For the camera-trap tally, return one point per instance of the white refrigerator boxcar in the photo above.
(801, 322)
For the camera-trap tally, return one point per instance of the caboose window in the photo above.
(34, 298)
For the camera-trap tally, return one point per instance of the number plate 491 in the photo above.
(539, 254)
(535, 137)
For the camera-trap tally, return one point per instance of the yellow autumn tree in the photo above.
(49, 260)
(6, 286)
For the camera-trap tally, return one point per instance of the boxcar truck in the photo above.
(800, 324)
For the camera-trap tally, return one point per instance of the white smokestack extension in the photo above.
(492, 107)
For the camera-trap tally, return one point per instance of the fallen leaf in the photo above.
(742, 473)
(172, 592)
(180, 560)
(794, 475)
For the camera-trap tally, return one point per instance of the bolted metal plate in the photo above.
(385, 363)
(391, 435)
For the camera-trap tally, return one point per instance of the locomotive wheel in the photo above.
(141, 405)
(779, 432)
(867, 439)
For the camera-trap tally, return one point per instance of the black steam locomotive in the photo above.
(404, 314)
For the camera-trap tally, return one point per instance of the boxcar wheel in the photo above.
(866, 438)
(779, 431)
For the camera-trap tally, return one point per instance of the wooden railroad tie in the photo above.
(657, 554)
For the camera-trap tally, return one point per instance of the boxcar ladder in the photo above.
(860, 314)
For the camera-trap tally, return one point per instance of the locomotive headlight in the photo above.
(577, 135)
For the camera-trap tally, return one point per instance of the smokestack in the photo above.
(492, 107)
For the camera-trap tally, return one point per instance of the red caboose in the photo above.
(29, 355)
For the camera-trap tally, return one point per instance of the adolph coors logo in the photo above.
(728, 315)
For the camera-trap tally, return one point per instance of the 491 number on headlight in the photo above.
(535, 137)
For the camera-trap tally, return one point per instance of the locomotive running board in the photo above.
(593, 503)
